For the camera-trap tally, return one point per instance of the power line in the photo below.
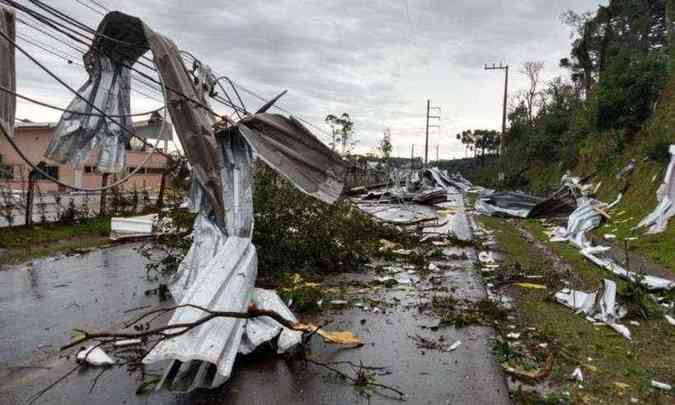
(39, 3)
(70, 59)
(100, 5)
(46, 20)
(57, 181)
(71, 34)
(45, 104)
(99, 12)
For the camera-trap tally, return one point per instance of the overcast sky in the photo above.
(377, 60)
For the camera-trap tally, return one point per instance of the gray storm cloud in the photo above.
(377, 60)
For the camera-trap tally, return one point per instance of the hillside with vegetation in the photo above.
(615, 104)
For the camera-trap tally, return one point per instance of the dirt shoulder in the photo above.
(615, 370)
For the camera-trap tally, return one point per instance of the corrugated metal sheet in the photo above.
(219, 270)
(107, 89)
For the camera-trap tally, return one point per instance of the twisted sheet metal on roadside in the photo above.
(107, 88)
(219, 270)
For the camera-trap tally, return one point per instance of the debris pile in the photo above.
(219, 271)
(421, 199)
(657, 220)
(599, 305)
(522, 205)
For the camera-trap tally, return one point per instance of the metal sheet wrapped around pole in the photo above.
(7, 71)
(220, 269)
(193, 124)
(108, 62)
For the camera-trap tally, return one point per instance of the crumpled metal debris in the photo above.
(193, 123)
(584, 219)
(7, 70)
(293, 151)
(587, 217)
(577, 375)
(507, 203)
(661, 386)
(657, 220)
(626, 170)
(94, 356)
(107, 89)
(522, 205)
(132, 227)
(653, 283)
(599, 305)
(220, 268)
(414, 203)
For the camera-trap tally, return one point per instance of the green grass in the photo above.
(574, 340)
(43, 240)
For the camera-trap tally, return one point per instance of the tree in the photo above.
(670, 28)
(483, 141)
(532, 96)
(636, 26)
(466, 137)
(384, 146)
(342, 132)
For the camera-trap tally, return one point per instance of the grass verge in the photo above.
(615, 370)
(42, 240)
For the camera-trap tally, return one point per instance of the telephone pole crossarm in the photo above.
(426, 142)
(505, 68)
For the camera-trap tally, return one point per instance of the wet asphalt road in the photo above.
(41, 303)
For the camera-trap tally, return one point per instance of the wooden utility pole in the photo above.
(162, 186)
(29, 198)
(104, 182)
(505, 68)
(426, 142)
(412, 157)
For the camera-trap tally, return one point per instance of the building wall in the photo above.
(33, 143)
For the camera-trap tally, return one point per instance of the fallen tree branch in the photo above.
(177, 329)
(40, 393)
(357, 381)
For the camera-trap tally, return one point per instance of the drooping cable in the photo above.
(106, 116)
(36, 168)
(53, 107)
(54, 25)
(71, 60)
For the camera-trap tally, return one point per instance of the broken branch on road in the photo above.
(173, 330)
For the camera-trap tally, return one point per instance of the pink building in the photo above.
(33, 137)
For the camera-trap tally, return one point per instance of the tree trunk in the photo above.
(670, 28)
(607, 38)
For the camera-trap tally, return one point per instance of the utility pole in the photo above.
(104, 183)
(505, 68)
(426, 142)
(412, 157)
(436, 153)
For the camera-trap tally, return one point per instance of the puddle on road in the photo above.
(41, 302)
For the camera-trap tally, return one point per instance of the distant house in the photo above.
(33, 137)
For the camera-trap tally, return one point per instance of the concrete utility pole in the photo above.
(505, 68)
(426, 142)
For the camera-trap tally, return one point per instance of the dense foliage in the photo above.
(618, 67)
(295, 232)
